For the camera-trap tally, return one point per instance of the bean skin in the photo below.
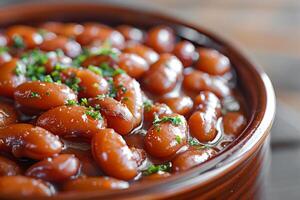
(234, 123)
(113, 155)
(130, 94)
(145, 52)
(161, 39)
(134, 65)
(164, 73)
(8, 114)
(131, 33)
(9, 80)
(8, 167)
(59, 168)
(207, 100)
(94, 184)
(212, 62)
(203, 126)
(98, 60)
(28, 34)
(21, 186)
(158, 109)
(191, 158)
(185, 52)
(91, 84)
(25, 140)
(43, 95)
(165, 139)
(70, 47)
(70, 121)
(118, 116)
(181, 105)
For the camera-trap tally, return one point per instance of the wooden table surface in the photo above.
(269, 32)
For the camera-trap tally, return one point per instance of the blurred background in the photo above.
(268, 31)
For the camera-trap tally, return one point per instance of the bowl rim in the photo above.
(257, 130)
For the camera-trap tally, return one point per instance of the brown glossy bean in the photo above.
(139, 155)
(191, 158)
(207, 100)
(59, 168)
(70, 121)
(93, 32)
(43, 95)
(202, 126)
(91, 84)
(8, 167)
(113, 155)
(131, 33)
(134, 65)
(70, 47)
(145, 52)
(234, 123)
(9, 78)
(25, 140)
(118, 116)
(98, 60)
(94, 184)
(163, 74)
(130, 94)
(161, 39)
(135, 140)
(157, 109)
(29, 36)
(21, 186)
(54, 27)
(8, 114)
(185, 52)
(181, 105)
(212, 62)
(165, 139)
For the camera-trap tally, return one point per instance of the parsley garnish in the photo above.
(84, 102)
(18, 42)
(95, 114)
(71, 103)
(94, 69)
(108, 71)
(147, 105)
(157, 168)
(3, 50)
(34, 95)
(112, 89)
(174, 120)
(178, 139)
(73, 83)
(48, 79)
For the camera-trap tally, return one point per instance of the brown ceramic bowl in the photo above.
(238, 172)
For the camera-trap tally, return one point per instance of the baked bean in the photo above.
(54, 27)
(131, 33)
(23, 37)
(55, 59)
(163, 74)
(139, 155)
(8, 167)
(135, 140)
(21, 186)
(185, 52)
(25, 140)
(181, 105)
(207, 100)
(113, 155)
(8, 114)
(212, 62)
(70, 30)
(70, 47)
(117, 114)
(145, 52)
(161, 39)
(234, 123)
(191, 158)
(43, 95)
(90, 84)
(98, 60)
(166, 136)
(134, 65)
(157, 109)
(11, 76)
(58, 168)
(203, 126)
(71, 121)
(197, 81)
(130, 94)
(94, 184)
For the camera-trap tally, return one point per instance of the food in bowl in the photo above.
(89, 107)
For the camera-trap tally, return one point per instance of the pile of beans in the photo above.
(88, 107)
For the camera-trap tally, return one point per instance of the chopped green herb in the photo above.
(174, 120)
(122, 88)
(84, 102)
(101, 96)
(81, 58)
(178, 139)
(71, 102)
(48, 79)
(48, 93)
(108, 71)
(20, 69)
(94, 69)
(34, 95)
(147, 105)
(195, 143)
(18, 42)
(112, 89)
(152, 169)
(73, 83)
(3, 50)
(107, 51)
(93, 113)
